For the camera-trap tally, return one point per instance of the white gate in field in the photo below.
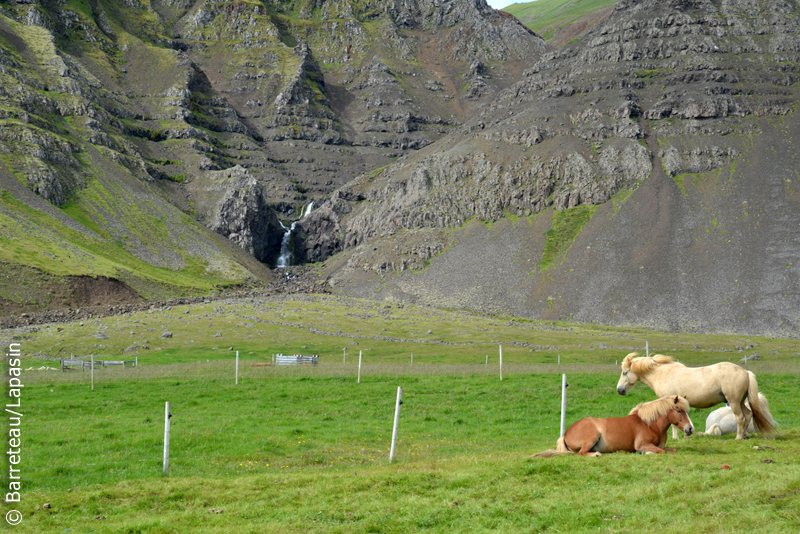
(296, 359)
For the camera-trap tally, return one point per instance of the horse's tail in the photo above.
(761, 416)
(561, 448)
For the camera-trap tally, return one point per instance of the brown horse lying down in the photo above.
(644, 430)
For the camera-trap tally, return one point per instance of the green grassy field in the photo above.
(545, 16)
(306, 449)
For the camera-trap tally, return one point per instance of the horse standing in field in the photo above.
(722, 421)
(643, 430)
(703, 387)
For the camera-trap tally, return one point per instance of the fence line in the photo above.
(256, 370)
(205, 443)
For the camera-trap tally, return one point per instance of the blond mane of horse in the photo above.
(642, 365)
(652, 410)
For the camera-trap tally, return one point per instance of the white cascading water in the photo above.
(286, 255)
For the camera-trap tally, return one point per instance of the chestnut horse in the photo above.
(644, 430)
(703, 387)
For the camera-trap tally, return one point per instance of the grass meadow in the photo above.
(306, 449)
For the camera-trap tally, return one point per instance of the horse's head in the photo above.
(628, 377)
(679, 415)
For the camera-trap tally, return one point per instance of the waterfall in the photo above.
(285, 258)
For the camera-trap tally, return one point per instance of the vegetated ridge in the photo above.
(561, 22)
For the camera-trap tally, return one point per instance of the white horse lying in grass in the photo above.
(723, 421)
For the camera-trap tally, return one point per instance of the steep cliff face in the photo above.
(234, 113)
(676, 106)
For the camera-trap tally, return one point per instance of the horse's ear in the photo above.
(677, 399)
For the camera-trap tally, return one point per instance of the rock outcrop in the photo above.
(245, 217)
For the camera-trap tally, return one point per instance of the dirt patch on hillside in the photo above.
(88, 291)
(26, 289)
(54, 299)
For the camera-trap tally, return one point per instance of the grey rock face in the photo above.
(244, 217)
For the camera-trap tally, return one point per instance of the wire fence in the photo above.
(295, 418)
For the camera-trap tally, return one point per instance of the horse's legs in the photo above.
(649, 448)
(586, 447)
(588, 441)
(741, 425)
(748, 415)
(675, 432)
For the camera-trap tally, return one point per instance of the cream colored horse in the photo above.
(703, 387)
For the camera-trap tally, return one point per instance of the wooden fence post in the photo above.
(359, 367)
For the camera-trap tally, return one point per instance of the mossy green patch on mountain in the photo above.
(567, 224)
(680, 179)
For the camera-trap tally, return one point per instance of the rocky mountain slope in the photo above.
(138, 135)
(640, 172)
(643, 175)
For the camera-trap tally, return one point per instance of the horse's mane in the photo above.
(642, 365)
(650, 411)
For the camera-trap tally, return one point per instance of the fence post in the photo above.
(92, 364)
(412, 358)
(396, 422)
(167, 416)
(563, 402)
(344, 355)
(647, 348)
(237, 367)
(359, 367)
(501, 363)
